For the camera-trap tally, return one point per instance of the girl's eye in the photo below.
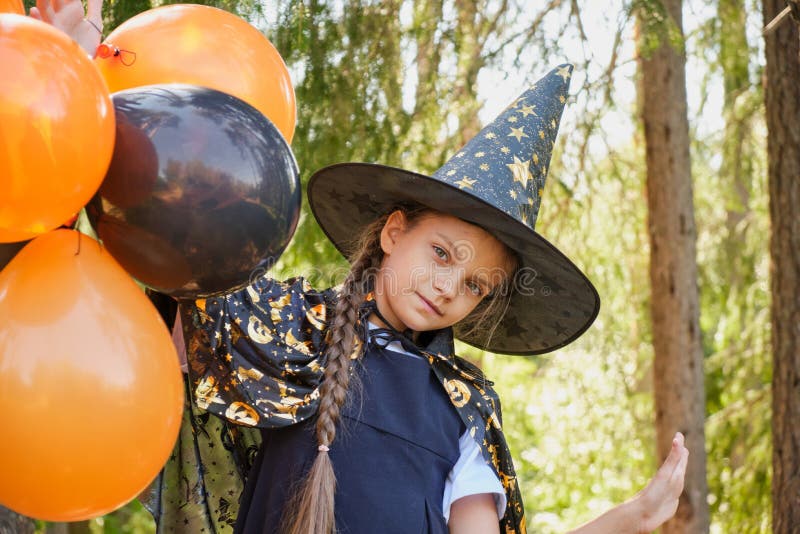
(440, 252)
(475, 288)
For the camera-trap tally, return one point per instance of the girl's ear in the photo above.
(393, 228)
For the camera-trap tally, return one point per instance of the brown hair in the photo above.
(311, 510)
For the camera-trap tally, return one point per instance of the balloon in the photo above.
(8, 251)
(91, 391)
(56, 128)
(202, 190)
(200, 45)
(134, 166)
(146, 256)
(12, 6)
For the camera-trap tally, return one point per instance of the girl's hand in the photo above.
(659, 500)
(69, 17)
(652, 506)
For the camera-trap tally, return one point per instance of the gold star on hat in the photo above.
(518, 133)
(521, 171)
(466, 182)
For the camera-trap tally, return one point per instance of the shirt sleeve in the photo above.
(254, 354)
(471, 475)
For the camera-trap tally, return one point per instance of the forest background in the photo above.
(407, 82)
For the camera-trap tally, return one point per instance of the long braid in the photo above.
(312, 511)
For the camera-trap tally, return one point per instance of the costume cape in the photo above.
(256, 359)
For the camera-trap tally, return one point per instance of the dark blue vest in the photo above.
(395, 445)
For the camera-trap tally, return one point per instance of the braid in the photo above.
(312, 511)
(333, 389)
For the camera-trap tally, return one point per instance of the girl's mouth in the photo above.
(430, 305)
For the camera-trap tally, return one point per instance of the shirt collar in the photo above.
(438, 343)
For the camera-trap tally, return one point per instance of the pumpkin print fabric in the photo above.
(256, 359)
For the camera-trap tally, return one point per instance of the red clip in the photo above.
(107, 50)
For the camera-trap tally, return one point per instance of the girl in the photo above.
(406, 460)
(371, 423)
(368, 421)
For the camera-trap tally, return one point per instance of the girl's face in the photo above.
(436, 270)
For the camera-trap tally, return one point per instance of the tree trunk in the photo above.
(13, 523)
(79, 527)
(468, 65)
(678, 366)
(782, 95)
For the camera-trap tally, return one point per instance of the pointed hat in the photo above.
(495, 181)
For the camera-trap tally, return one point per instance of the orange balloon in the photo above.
(12, 6)
(200, 45)
(91, 393)
(56, 128)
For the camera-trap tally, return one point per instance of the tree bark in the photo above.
(468, 65)
(782, 95)
(678, 366)
(13, 523)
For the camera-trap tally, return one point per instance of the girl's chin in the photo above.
(420, 324)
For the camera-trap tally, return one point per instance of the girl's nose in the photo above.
(445, 282)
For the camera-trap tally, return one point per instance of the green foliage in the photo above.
(349, 104)
(731, 203)
(130, 519)
(735, 321)
(734, 266)
(115, 12)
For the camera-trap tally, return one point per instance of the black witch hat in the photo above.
(495, 181)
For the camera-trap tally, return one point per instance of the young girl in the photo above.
(417, 446)
(367, 420)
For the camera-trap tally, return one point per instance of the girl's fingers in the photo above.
(70, 4)
(45, 11)
(58, 5)
(674, 456)
(34, 13)
(94, 11)
(682, 452)
(680, 470)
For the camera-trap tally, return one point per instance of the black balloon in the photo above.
(202, 190)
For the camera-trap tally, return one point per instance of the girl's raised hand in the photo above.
(69, 17)
(652, 506)
(659, 499)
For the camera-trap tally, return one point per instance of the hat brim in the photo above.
(553, 302)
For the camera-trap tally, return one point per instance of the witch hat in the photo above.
(495, 181)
